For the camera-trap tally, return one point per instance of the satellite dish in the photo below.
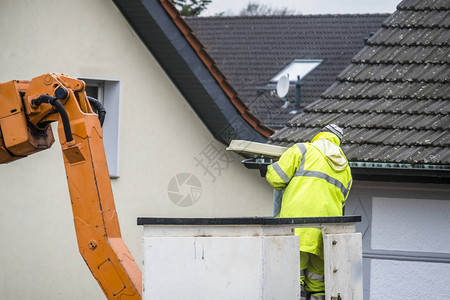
(283, 86)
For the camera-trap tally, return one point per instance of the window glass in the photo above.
(108, 93)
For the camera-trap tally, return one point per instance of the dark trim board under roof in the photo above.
(400, 172)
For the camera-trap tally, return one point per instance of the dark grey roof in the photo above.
(165, 33)
(393, 99)
(251, 50)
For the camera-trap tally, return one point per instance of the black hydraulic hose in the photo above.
(98, 108)
(62, 112)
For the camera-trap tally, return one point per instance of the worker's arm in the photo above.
(280, 173)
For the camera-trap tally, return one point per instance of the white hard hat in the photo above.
(333, 128)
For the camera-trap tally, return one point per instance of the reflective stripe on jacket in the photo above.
(317, 179)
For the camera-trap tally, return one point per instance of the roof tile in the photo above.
(440, 19)
(424, 5)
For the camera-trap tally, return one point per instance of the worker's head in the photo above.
(334, 129)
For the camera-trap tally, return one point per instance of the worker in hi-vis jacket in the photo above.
(315, 178)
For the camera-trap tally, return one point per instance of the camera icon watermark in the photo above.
(184, 189)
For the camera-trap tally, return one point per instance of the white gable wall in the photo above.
(405, 238)
(160, 137)
(411, 224)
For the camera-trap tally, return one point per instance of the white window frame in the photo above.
(109, 91)
(298, 67)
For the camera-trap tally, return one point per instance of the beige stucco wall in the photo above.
(160, 137)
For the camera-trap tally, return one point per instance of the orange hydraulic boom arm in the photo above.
(26, 110)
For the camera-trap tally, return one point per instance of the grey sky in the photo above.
(307, 6)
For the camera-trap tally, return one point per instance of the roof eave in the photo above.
(394, 172)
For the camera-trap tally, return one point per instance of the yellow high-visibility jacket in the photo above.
(317, 179)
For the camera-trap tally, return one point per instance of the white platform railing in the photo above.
(245, 258)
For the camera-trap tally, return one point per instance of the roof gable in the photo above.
(394, 99)
(168, 37)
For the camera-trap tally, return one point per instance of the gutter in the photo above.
(400, 172)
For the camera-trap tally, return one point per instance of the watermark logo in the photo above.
(213, 160)
(238, 129)
(184, 190)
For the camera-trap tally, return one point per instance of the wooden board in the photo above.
(259, 149)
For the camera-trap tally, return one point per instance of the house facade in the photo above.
(171, 112)
(164, 160)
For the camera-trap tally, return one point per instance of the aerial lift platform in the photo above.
(245, 258)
